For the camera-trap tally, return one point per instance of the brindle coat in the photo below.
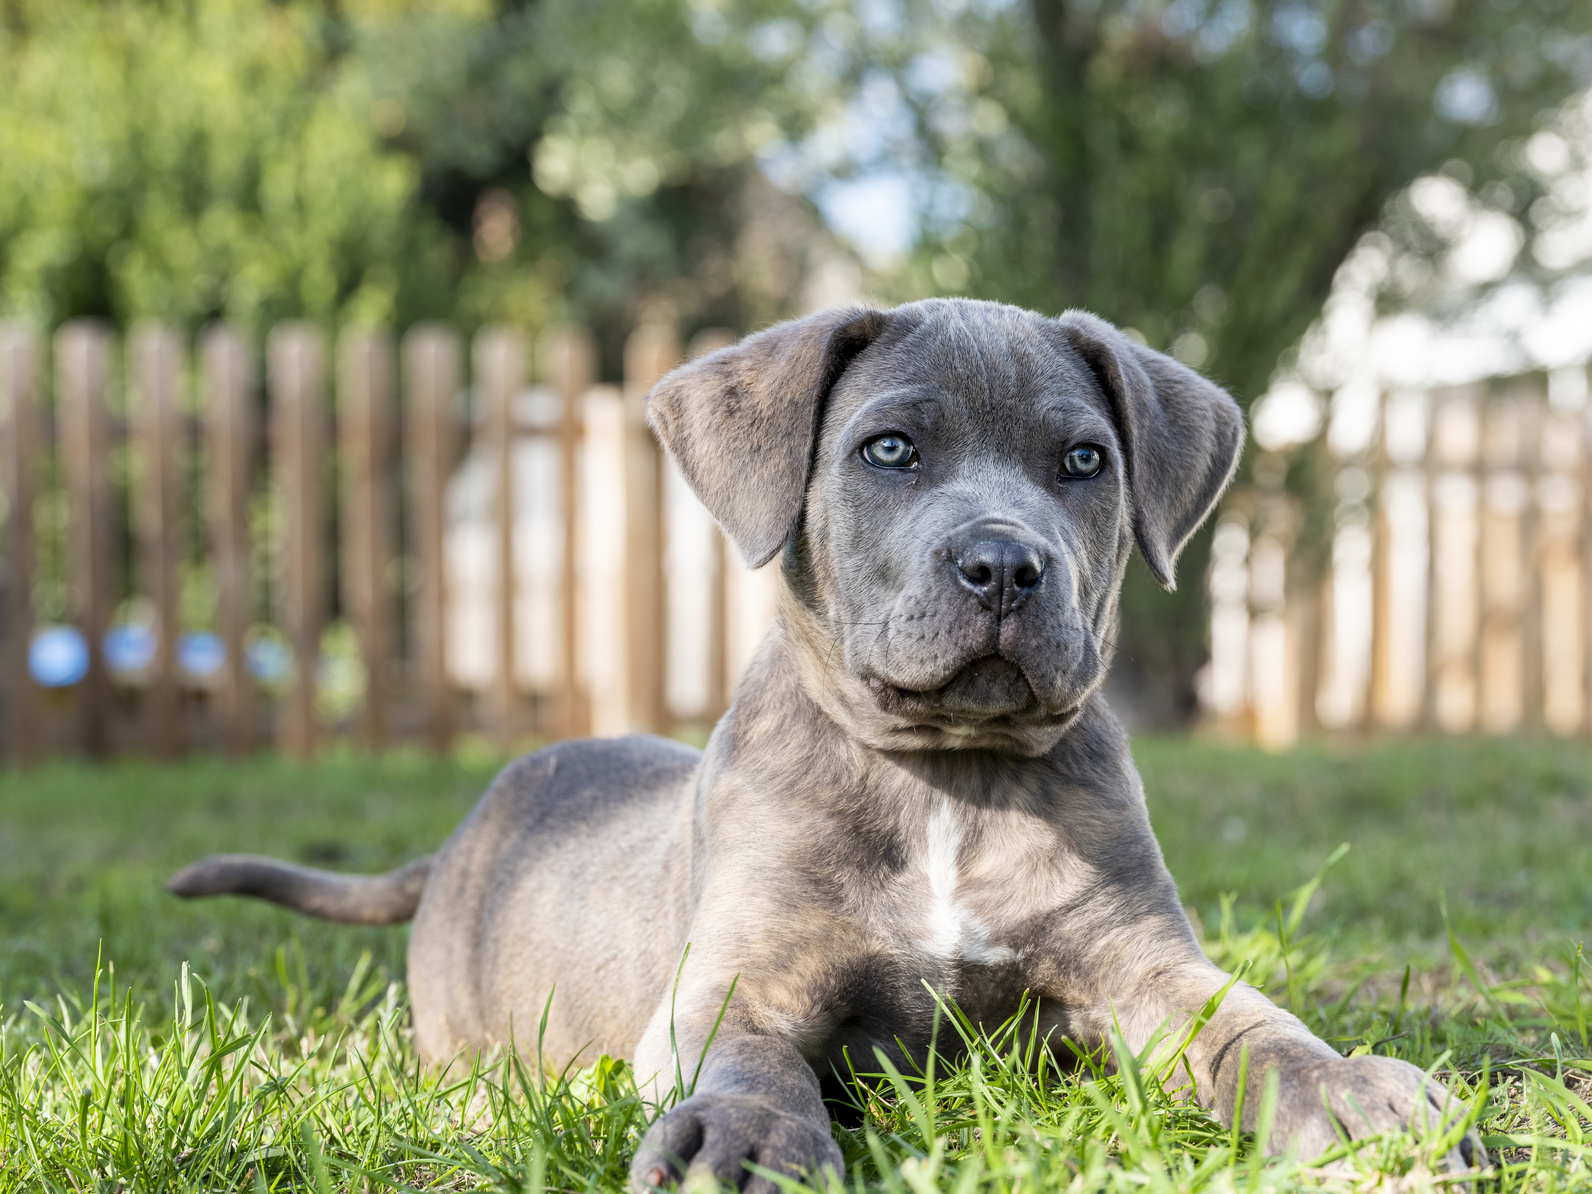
(918, 786)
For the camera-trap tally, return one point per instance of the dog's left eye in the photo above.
(1082, 462)
(890, 451)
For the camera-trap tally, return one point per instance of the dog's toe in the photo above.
(724, 1137)
(1359, 1097)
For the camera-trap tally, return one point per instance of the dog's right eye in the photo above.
(1082, 462)
(890, 451)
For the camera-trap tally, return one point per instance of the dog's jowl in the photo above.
(919, 787)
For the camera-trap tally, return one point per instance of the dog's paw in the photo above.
(1355, 1097)
(720, 1135)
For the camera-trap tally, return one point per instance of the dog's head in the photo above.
(956, 487)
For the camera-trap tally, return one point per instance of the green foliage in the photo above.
(386, 161)
(1197, 170)
(186, 161)
(598, 161)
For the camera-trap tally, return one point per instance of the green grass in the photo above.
(289, 1066)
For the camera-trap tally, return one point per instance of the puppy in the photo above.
(919, 787)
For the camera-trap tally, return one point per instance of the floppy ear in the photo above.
(742, 423)
(1182, 436)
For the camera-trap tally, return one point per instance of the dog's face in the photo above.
(965, 527)
(957, 486)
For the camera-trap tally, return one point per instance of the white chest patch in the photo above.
(952, 931)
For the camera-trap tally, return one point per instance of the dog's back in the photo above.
(577, 835)
(563, 874)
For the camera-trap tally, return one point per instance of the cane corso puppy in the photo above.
(919, 788)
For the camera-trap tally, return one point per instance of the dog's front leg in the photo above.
(747, 1099)
(755, 1102)
(1322, 1097)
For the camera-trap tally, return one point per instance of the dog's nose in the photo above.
(1001, 573)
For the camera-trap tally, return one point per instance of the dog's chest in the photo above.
(947, 918)
(978, 883)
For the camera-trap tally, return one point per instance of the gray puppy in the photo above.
(919, 787)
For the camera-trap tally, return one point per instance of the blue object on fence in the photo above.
(201, 654)
(58, 656)
(129, 647)
(269, 659)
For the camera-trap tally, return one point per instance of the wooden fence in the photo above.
(1456, 591)
(430, 545)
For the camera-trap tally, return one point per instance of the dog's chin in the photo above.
(988, 702)
(985, 688)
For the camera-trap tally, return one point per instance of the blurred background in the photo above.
(326, 323)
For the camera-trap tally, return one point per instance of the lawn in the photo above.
(147, 1044)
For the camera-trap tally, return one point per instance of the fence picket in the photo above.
(82, 378)
(21, 442)
(705, 343)
(296, 377)
(570, 366)
(364, 422)
(155, 367)
(431, 378)
(651, 351)
(226, 403)
(1560, 652)
(499, 368)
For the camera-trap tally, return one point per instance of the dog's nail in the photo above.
(655, 1176)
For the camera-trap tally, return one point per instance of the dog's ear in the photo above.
(1182, 436)
(742, 423)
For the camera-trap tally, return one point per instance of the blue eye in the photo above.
(1082, 462)
(890, 451)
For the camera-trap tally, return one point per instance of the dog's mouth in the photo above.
(986, 689)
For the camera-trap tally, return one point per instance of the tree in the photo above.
(1198, 170)
(599, 161)
(191, 161)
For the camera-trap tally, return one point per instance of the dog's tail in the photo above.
(348, 899)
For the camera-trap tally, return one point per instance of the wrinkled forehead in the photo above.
(977, 360)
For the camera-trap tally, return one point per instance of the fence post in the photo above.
(21, 442)
(296, 372)
(1531, 402)
(1561, 573)
(603, 565)
(82, 377)
(651, 351)
(570, 365)
(431, 376)
(705, 343)
(1500, 679)
(499, 368)
(364, 426)
(1455, 531)
(154, 373)
(229, 444)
